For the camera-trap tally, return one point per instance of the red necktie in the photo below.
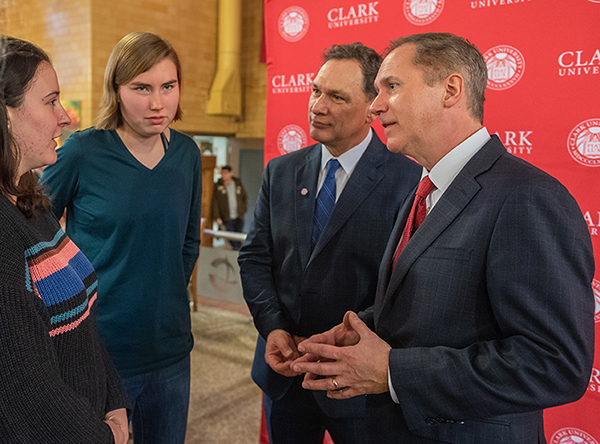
(417, 214)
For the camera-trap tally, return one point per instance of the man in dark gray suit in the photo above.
(484, 314)
(301, 273)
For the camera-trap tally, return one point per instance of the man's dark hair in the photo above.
(226, 168)
(367, 57)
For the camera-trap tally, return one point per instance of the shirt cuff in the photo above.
(391, 387)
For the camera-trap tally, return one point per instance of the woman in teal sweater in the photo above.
(131, 188)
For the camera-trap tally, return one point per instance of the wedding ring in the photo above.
(335, 384)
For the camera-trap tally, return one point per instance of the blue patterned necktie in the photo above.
(325, 201)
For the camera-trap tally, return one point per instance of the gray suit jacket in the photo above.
(286, 285)
(489, 309)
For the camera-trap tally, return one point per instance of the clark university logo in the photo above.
(422, 12)
(293, 23)
(571, 435)
(505, 66)
(291, 138)
(584, 143)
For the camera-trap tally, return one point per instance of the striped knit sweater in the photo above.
(56, 382)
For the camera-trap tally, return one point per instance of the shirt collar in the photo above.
(443, 173)
(350, 158)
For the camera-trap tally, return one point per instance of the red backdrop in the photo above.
(542, 100)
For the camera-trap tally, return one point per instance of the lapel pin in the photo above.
(304, 191)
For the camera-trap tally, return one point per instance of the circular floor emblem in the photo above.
(222, 275)
(291, 138)
(422, 12)
(505, 66)
(584, 143)
(571, 435)
(293, 23)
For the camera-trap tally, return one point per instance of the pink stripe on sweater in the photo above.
(55, 262)
(73, 325)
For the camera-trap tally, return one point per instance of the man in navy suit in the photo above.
(485, 317)
(298, 282)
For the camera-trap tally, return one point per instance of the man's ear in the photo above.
(454, 89)
(371, 116)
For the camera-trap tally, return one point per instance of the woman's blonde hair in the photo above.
(135, 54)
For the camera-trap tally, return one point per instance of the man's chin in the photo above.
(319, 135)
(394, 146)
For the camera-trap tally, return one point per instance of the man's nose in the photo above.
(378, 106)
(319, 106)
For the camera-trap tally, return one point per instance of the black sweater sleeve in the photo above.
(36, 405)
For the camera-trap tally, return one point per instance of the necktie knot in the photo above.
(426, 186)
(332, 167)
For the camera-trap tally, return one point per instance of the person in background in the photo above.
(302, 270)
(57, 384)
(131, 187)
(484, 313)
(230, 203)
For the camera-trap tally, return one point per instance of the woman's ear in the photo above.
(8, 114)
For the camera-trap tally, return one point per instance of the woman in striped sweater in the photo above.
(56, 383)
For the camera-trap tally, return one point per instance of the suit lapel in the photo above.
(305, 194)
(364, 178)
(458, 195)
(385, 268)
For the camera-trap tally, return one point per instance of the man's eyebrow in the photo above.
(390, 79)
(337, 92)
(330, 92)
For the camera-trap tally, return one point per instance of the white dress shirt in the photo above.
(347, 160)
(445, 171)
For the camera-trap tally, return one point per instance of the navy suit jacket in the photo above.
(286, 285)
(489, 309)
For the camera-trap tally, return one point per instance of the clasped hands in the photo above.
(346, 361)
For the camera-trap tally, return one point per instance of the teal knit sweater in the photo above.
(140, 228)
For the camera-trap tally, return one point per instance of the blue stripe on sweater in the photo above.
(77, 310)
(65, 283)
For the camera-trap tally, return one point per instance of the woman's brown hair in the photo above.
(19, 62)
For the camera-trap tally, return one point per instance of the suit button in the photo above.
(431, 421)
